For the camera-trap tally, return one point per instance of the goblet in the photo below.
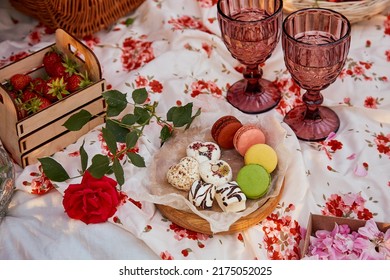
(315, 42)
(251, 30)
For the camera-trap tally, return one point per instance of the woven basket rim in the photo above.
(355, 11)
(79, 18)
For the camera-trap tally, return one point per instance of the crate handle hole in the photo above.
(76, 53)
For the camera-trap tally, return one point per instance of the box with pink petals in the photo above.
(335, 238)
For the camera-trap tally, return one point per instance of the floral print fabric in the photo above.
(174, 49)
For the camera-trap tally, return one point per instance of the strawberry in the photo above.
(50, 58)
(20, 81)
(73, 83)
(77, 81)
(57, 89)
(58, 70)
(36, 104)
(28, 95)
(16, 96)
(39, 85)
(63, 69)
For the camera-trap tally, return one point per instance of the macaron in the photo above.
(247, 136)
(224, 129)
(253, 180)
(263, 155)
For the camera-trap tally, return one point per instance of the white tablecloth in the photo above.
(174, 49)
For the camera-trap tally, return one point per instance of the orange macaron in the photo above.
(224, 129)
(247, 136)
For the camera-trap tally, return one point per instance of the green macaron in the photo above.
(254, 180)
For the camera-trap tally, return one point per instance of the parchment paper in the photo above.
(161, 192)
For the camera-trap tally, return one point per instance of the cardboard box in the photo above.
(321, 222)
(43, 134)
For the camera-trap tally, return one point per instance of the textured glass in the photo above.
(315, 44)
(251, 30)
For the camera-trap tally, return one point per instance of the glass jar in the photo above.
(7, 182)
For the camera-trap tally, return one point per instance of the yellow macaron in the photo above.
(262, 154)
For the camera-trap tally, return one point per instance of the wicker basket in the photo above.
(354, 10)
(77, 17)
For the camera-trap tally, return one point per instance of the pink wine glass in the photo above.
(315, 43)
(251, 30)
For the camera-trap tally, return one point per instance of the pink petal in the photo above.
(360, 171)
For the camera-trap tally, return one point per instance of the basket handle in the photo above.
(86, 59)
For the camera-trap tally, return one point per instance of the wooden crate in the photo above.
(43, 134)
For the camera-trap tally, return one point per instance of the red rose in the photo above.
(93, 200)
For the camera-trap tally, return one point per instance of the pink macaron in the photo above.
(247, 136)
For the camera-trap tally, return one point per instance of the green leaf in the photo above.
(143, 115)
(53, 170)
(117, 130)
(129, 21)
(180, 116)
(129, 119)
(78, 120)
(83, 157)
(165, 133)
(198, 112)
(131, 139)
(140, 95)
(118, 171)
(116, 102)
(100, 166)
(109, 137)
(136, 159)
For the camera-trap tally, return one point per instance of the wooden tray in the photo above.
(195, 223)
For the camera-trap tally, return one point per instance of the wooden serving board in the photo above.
(195, 223)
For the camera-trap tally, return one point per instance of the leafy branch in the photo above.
(127, 129)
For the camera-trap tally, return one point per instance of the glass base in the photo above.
(312, 130)
(253, 102)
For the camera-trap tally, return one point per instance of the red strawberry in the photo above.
(52, 57)
(77, 81)
(28, 95)
(57, 89)
(36, 104)
(20, 81)
(58, 70)
(73, 83)
(39, 85)
(14, 94)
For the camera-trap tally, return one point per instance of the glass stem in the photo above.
(313, 99)
(252, 74)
